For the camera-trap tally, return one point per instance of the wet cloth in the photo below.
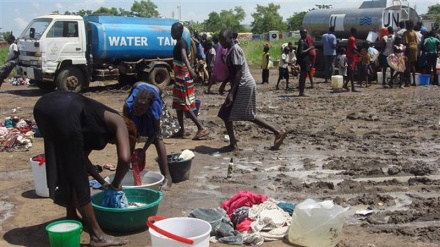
(222, 227)
(240, 199)
(288, 207)
(114, 198)
(183, 90)
(137, 165)
(145, 123)
(244, 106)
(241, 220)
(270, 222)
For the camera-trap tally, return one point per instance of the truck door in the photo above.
(64, 43)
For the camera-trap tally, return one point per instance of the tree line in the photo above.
(265, 18)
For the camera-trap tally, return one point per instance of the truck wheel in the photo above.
(70, 79)
(160, 77)
(45, 86)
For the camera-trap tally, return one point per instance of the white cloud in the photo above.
(20, 23)
(35, 5)
(59, 6)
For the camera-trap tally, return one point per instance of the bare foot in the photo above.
(229, 148)
(107, 240)
(167, 183)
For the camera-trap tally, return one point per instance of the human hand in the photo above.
(229, 99)
(194, 75)
(114, 198)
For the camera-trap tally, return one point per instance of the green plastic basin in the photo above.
(127, 219)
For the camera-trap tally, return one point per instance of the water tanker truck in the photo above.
(370, 16)
(68, 52)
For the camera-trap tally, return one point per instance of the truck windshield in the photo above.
(36, 28)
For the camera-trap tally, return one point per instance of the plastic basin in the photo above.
(151, 180)
(127, 219)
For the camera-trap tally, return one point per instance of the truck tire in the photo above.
(160, 77)
(70, 79)
(45, 86)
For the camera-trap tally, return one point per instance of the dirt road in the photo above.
(377, 150)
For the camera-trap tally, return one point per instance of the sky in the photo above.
(16, 14)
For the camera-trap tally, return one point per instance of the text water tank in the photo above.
(129, 38)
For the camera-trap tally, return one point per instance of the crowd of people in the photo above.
(405, 51)
(69, 139)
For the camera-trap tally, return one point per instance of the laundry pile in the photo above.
(16, 135)
(18, 81)
(247, 218)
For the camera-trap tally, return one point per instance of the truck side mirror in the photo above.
(32, 33)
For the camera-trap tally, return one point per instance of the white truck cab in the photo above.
(52, 52)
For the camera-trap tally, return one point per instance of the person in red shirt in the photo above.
(352, 55)
(312, 55)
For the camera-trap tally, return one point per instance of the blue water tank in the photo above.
(114, 38)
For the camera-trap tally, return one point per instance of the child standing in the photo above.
(342, 64)
(210, 58)
(366, 59)
(265, 64)
(283, 71)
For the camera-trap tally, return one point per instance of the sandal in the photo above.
(200, 134)
(110, 167)
(279, 140)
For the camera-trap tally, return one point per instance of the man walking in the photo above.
(329, 45)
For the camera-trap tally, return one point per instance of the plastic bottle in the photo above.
(230, 168)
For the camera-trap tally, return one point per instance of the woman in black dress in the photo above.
(72, 126)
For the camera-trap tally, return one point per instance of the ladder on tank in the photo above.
(403, 7)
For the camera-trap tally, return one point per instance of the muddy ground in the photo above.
(376, 150)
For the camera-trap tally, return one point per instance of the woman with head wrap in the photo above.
(72, 126)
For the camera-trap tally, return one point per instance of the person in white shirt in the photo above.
(283, 71)
(11, 59)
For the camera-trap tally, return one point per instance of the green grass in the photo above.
(254, 49)
(3, 55)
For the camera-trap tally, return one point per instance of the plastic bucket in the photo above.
(424, 79)
(379, 78)
(179, 169)
(178, 232)
(39, 174)
(149, 179)
(196, 111)
(64, 233)
(337, 82)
